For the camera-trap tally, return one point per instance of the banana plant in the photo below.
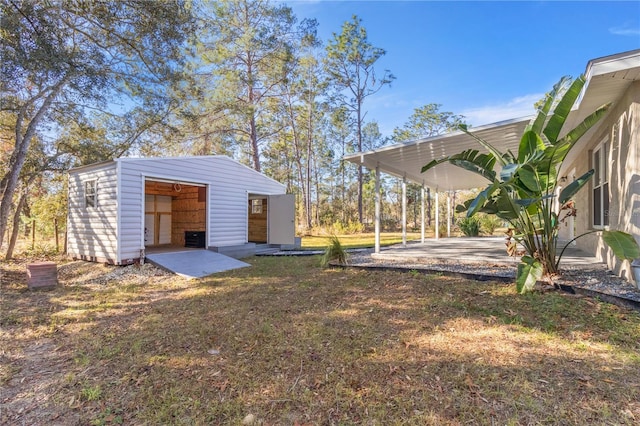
(522, 186)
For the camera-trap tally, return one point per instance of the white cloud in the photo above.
(627, 29)
(515, 108)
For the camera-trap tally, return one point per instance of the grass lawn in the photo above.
(289, 343)
(358, 240)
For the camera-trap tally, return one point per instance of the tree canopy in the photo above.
(90, 81)
(63, 63)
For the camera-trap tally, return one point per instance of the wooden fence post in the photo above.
(33, 234)
(55, 230)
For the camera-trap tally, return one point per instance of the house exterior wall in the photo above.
(92, 232)
(622, 128)
(228, 184)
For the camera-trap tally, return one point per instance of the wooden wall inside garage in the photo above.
(188, 207)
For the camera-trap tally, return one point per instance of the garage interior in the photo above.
(175, 214)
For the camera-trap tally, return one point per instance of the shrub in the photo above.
(489, 223)
(352, 227)
(470, 226)
(334, 251)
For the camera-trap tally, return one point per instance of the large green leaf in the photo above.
(461, 208)
(571, 189)
(506, 206)
(471, 160)
(508, 171)
(481, 199)
(480, 167)
(526, 202)
(434, 163)
(576, 133)
(497, 154)
(562, 109)
(550, 99)
(530, 143)
(547, 179)
(623, 245)
(529, 272)
(529, 179)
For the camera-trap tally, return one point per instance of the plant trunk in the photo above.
(19, 155)
(16, 226)
(360, 175)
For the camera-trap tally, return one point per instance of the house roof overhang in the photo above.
(607, 79)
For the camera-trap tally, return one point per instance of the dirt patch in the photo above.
(36, 351)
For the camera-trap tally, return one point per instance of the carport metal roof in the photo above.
(607, 79)
(407, 159)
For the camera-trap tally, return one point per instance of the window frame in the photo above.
(600, 190)
(91, 193)
(256, 206)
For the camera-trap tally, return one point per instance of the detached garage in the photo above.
(122, 209)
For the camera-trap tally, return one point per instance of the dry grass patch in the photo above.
(291, 343)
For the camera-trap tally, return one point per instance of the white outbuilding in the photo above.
(120, 210)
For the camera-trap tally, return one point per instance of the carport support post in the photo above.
(377, 212)
(448, 214)
(422, 213)
(437, 216)
(404, 211)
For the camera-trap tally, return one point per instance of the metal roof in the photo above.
(406, 159)
(607, 80)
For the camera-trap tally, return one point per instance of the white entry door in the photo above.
(281, 219)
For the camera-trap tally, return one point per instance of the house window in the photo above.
(600, 196)
(256, 206)
(90, 193)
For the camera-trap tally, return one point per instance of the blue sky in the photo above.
(489, 61)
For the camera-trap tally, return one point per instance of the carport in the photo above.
(405, 160)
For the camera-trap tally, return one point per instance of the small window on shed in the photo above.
(256, 206)
(90, 193)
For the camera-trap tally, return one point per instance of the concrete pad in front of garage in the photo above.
(195, 263)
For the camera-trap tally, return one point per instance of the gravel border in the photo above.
(594, 281)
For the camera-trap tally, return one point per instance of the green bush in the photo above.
(352, 227)
(334, 251)
(470, 226)
(489, 223)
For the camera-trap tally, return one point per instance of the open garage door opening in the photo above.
(174, 215)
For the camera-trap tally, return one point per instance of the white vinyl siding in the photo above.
(92, 231)
(228, 183)
(114, 229)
